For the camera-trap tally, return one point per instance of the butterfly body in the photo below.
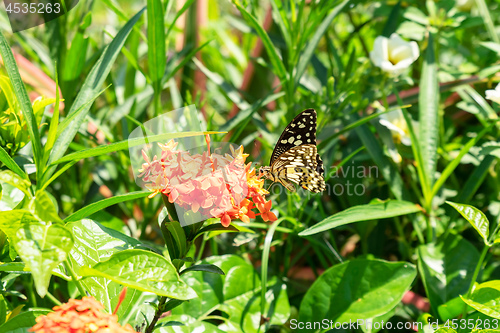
(295, 158)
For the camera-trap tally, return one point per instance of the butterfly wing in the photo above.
(300, 131)
(300, 166)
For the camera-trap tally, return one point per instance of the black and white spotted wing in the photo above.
(301, 130)
(295, 158)
(299, 165)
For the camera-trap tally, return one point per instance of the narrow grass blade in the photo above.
(56, 175)
(11, 164)
(392, 21)
(22, 97)
(388, 170)
(428, 103)
(279, 67)
(170, 73)
(265, 263)
(100, 205)
(157, 57)
(112, 147)
(456, 161)
(305, 59)
(91, 86)
(230, 91)
(344, 161)
(415, 147)
(280, 17)
(488, 22)
(54, 123)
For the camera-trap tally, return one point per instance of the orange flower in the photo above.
(208, 184)
(79, 316)
(265, 212)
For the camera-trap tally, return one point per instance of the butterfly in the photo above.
(295, 158)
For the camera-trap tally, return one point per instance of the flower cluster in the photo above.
(79, 316)
(211, 185)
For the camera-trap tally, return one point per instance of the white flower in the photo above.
(494, 94)
(393, 55)
(396, 123)
(464, 5)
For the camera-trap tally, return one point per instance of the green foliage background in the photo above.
(73, 220)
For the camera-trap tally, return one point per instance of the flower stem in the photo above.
(158, 313)
(474, 277)
(75, 279)
(52, 298)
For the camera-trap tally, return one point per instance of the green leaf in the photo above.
(389, 171)
(451, 309)
(184, 324)
(42, 247)
(23, 321)
(428, 106)
(12, 165)
(92, 85)
(209, 268)
(236, 293)
(230, 91)
(353, 290)
(22, 98)
(217, 227)
(100, 205)
(305, 58)
(374, 211)
(43, 208)
(11, 178)
(475, 217)
(157, 58)
(144, 271)
(95, 243)
(54, 123)
(12, 220)
(125, 144)
(175, 239)
(486, 298)
(488, 21)
(392, 21)
(442, 266)
(272, 52)
(3, 310)
(456, 161)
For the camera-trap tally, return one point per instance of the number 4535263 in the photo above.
(33, 8)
